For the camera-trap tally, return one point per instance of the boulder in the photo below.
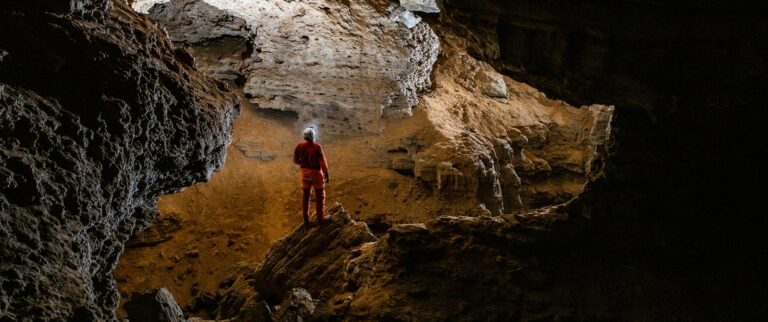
(161, 230)
(153, 306)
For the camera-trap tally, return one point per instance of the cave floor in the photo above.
(250, 203)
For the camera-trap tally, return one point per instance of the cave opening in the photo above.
(411, 134)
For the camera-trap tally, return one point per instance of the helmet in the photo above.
(309, 133)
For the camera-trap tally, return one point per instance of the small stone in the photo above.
(492, 84)
(405, 17)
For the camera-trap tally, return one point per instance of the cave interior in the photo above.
(492, 160)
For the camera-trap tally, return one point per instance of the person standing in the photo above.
(310, 157)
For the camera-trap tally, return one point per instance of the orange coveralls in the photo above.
(310, 156)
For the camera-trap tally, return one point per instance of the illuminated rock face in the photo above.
(99, 115)
(343, 66)
(337, 62)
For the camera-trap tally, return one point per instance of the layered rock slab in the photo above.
(334, 238)
(100, 115)
(450, 268)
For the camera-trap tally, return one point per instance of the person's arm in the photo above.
(296, 155)
(323, 163)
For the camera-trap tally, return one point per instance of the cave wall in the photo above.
(221, 43)
(99, 115)
(321, 59)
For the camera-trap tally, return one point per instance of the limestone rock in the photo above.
(402, 275)
(311, 57)
(426, 6)
(250, 152)
(492, 84)
(478, 75)
(197, 22)
(154, 306)
(220, 42)
(99, 116)
(404, 16)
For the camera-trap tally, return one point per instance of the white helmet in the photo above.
(309, 133)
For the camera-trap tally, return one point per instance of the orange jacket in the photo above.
(310, 155)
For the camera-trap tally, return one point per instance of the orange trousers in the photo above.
(313, 178)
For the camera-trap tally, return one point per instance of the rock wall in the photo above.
(499, 141)
(99, 115)
(221, 43)
(342, 66)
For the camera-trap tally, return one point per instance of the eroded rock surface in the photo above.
(427, 6)
(494, 140)
(278, 273)
(325, 60)
(99, 115)
(220, 41)
(162, 230)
